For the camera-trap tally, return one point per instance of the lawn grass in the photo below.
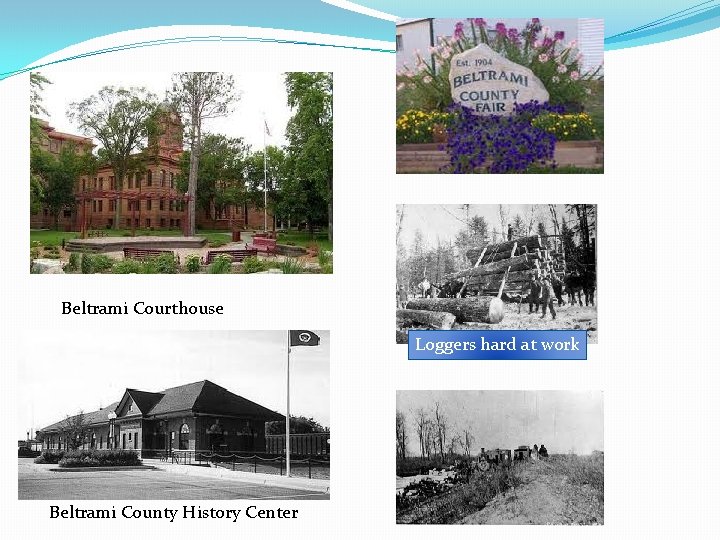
(303, 238)
(55, 238)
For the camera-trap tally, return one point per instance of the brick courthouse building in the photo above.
(196, 416)
(158, 178)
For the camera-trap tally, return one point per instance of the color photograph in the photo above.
(163, 173)
(499, 96)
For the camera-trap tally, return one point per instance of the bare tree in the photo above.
(421, 425)
(502, 215)
(399, 217)
(75, 430)
(199, 96)
(556, 227)
(454, 441)
(400, 435)
(530, 218)
(466, 441)
(440, 430)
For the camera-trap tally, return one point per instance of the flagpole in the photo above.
(287, 416)
(265, 168)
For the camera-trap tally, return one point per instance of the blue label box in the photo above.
(497, 345)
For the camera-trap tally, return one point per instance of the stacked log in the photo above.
(507, 267)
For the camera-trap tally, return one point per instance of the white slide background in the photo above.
(656, 360)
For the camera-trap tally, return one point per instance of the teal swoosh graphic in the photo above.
(673, 26)
(191, 39)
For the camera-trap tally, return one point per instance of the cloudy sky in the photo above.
(444, 221)
(260, 93)
(88, 374)
(563, 421)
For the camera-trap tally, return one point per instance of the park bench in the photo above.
(263, 245)
(237, 255)
(140, 253)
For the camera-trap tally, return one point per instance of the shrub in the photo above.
(222, 264)
(192, 264)
(48, 457)
(92, 264)
(252, 265)
(325, 258)
(291, 266)
(447, 503)
(128, 266)
(99, 458)
(567, 127)
(35, 251)
(74, 262)
(24, 451)
(417, 126)
(162, 264)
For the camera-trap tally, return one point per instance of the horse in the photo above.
(581, 284)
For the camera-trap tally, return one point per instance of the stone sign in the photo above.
(489, 83)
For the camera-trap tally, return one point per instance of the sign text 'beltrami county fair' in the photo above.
(489, 83)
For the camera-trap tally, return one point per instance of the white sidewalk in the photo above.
(277, 480)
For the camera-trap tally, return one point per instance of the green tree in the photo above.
(60, 176)
(220, 174)
(274, 159)
(122, 119)
(37, 189)
(199, 96)
(306, 192)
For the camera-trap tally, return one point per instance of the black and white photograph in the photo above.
(499, 457)
(496, 267)
(177, 415)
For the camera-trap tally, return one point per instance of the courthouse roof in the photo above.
(202, 397)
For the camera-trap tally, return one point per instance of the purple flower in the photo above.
(501, 143)
(559, 35)
(500, 29)
(513, 34)
(480, 22)
(535, 20)
(459, 29)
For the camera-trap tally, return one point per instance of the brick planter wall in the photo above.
(428, 158)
